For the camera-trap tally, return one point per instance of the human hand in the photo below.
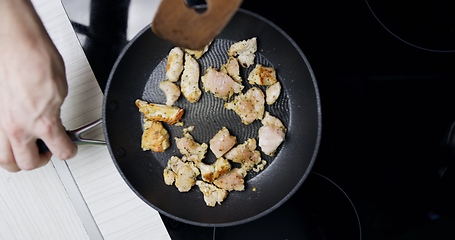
(32, 89)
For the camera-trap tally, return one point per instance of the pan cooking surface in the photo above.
(209, 115)
(136, 75)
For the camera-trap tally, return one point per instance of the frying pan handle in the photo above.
(76, 136)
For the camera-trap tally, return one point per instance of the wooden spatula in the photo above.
(187, 28)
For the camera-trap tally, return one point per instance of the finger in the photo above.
(59, 143)
(26, 154)
(7, 160)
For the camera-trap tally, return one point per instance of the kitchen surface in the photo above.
(386, 77)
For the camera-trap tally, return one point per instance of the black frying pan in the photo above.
(136, 75)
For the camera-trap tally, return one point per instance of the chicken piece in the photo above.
(220, 84)
(171, 91)
(174, 66)
(245, 154)
(222, 142)
(260, 166)
(212, 194)
(154, 137)
(189, 84)
(160, 112)
(183, 173)
(271, 134)
(245, 51)
(192, 150)
(198, 53)
(210, 172)
(169, 176)
(188, 129)
(263, 76)
(266, 76)
(249, 106)
(272, 93)
(232, 180)
(232, 68)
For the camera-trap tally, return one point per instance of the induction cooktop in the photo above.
(386, 75)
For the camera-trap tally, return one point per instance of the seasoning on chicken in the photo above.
(232, 180)
(174, 66)
(244, 51)
(232, 68)
(246, 154)
(154, 137)
(249, 106)
(192, 150)
(171, 91)
(182, 174)
(271, 134)
(212, 194)
(263, 76)
(159, 112)
(220, 84)
(210, 172)
(189, 84)
(272, 93)
(222, 142)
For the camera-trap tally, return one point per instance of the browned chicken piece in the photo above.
(244, 51)
(220, 84)
(263, 76)
(154, 137)
(266, 76)
(246, 154)
(160, 112)
(271, 134)
(249, 106)
(232, 180)
(232, 68)
(222, 142)
(210, 172)
(168, 174)
(212, 194)
(189, 83)
(171, 91)
(192, 150)
(174, 66)
(182, 174)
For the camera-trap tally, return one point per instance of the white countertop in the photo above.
(84, 197)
